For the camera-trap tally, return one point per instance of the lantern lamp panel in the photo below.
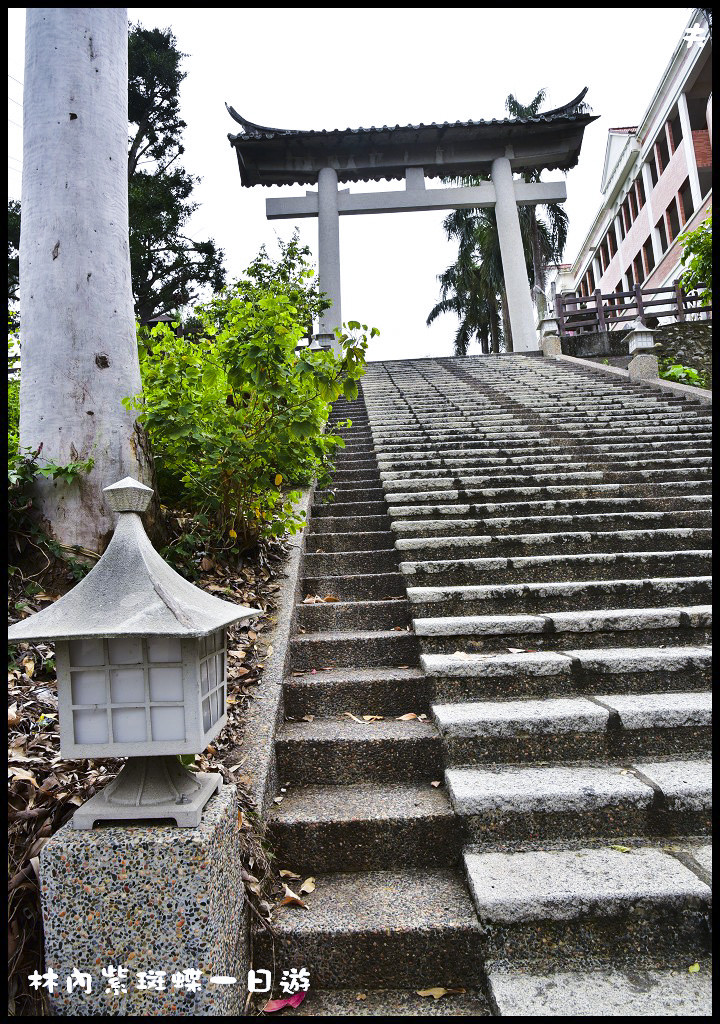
(164, 649)
(129, 725)
(166, 683)
(87, 652)
(127, 685)
(125, 650)
(90, 726)
(168, 723)
(89, 687)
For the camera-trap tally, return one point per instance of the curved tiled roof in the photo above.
(272, 156)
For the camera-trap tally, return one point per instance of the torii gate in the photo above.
(271, 156)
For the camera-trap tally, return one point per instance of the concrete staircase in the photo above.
(516, 554)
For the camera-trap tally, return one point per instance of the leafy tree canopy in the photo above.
(13, 249)
(169, 268)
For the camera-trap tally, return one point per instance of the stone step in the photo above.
(367, 586)
(364, 826)
(631, 992)
(571, 801)
(434, 469)
(385, 1002)
(388, 691)
(558, 568)
(532, 598)
(505, 441)
(345, 524)
(343, 563)
(621, 670)
(556, 631)
(558, 492)
(345, 494)
(571, 543)
(337, 751)
(616, 726)
(339, 616)
(329, 508)
(532, 448)
(602, 521)
(611, 505)
(550, 908)
(412, 927)
(357, 649)
(333, 542)
(529, 479)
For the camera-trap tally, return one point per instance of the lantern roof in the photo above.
(283, 156)
(131, 590)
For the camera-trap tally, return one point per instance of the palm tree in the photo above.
(473, 287)
(468, 287)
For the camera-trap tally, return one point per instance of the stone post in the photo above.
(329, 250)
(522, 318)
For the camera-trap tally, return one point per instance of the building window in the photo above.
(675, 130)
(673, 219)
(632, 206)
(661, 151)
(686, 203)
(660, 228)
(653, 171)
(639, 268)
(640, 192)
(705, 178)
(612, 241)
(649, 256)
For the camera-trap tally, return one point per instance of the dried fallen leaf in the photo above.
(360, 995)
(621, 849)
(372, 718)
(436, 993)
(310, 599)
(308, 886)
(436, 784)
(286, 873)
(349, 715)
(308, 718)
(291, 897)
(29, 665)
(278, 799)
(330, 599)
(406, 718)
(517, 650)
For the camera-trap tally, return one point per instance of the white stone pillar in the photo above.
(654, 234)
(329, 249)
(520, 307)
(690, 159)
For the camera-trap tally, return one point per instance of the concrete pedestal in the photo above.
(148, 898)
(643, 366)
(551, 346)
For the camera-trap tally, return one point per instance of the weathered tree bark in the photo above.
(78, 346)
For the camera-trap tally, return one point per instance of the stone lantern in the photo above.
(141, 672)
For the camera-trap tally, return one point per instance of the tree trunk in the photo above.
(78, 345)
(507, 333)
(494, 339)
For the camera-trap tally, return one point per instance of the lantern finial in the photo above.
(128, 495)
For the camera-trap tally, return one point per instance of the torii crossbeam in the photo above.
(279, 156)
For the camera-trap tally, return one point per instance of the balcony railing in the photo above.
(597, 312)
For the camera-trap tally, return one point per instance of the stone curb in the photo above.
(264, 712)
(699, 394)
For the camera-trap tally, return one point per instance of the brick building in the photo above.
(656, 180)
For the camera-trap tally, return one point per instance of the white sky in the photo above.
(356, 67)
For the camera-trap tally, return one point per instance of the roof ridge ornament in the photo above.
(251, 126)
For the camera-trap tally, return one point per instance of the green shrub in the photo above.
(236, 416)
(669, 370)
(697, 257)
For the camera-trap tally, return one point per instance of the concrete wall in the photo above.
(689, 343)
